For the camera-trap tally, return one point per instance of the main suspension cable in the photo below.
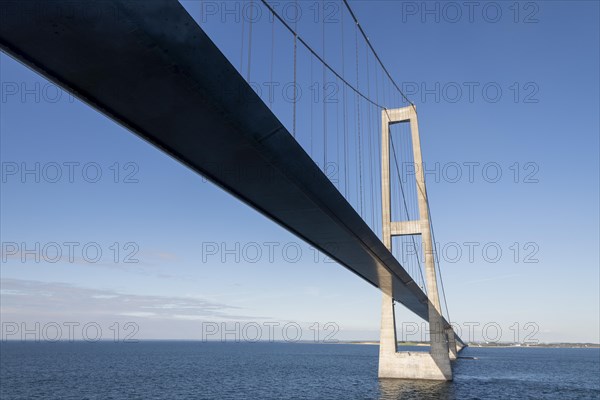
(317, 56)
(375, 53)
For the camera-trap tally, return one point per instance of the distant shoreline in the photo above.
(352, 342)
(496, 345)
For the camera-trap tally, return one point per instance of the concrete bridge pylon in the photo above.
(435, 364)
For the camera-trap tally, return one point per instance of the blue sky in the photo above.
(544, 124)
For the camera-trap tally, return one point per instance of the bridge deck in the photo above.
(150, 67)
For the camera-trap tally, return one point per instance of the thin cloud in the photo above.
(54, 299)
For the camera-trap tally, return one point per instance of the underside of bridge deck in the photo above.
(151, 68)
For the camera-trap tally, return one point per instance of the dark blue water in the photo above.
(193, 370)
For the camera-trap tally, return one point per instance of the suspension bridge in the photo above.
(330, 172)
